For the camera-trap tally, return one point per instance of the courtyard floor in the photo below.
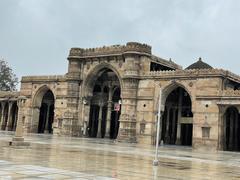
(52, 157)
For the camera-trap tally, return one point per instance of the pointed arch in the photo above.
(177, 120)
(37, 97)
(231, 129)
(169, 88)
(95, 73)
(98, 88)
(43, 106)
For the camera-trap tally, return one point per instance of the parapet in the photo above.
(194, 73)
(130, 47)
(8, 95)
(168, 63)
(51, 78)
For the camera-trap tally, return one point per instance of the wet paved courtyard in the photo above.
(52, 157)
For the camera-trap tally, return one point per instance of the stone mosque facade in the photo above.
(113, 92)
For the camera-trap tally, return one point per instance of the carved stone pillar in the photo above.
(19, 129)
(99, 132)
(5, 117)
(236, 132)
(71, 124)
(224, 132)
(231, 130)
(9, 120)
(15, 120)
(178, 139)
(167, 138)
(3, 110)
(109, 111)
(35, 119)
(18, 139)
(173, 126)
(46, 130)
(127, 129)
(222, 129)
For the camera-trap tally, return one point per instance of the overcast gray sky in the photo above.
(36, 35)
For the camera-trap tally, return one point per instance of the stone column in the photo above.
(178, 139)
(85, 125)
(92, 129)
(236, 132)
(6, 117)
(74, 82)
(19, 129)
(167, 138)
(35, 119)
(99, 132)
(18, 139)
(173, 126)
(221, 127)
(46, 130)
(9, 120)
(231, 130)
(224, 131)
(161, 126)
(2, 118)
(15, 120)
(109, 111)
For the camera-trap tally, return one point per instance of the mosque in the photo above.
(114, 92)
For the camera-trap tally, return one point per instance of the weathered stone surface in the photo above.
(211, 91)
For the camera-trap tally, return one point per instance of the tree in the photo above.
(8, 80)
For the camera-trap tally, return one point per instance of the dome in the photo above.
(199, 65)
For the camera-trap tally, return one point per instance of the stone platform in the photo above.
(52, 157)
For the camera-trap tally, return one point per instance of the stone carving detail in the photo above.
(190, 84)
(231, 92)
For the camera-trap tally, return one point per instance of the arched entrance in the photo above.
(177, 118)
(104, 105)
(43, 111)
(46, 113)
(231, 130)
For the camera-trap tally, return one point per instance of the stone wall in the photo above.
(139, 93)
(204, 117)
(33, 88)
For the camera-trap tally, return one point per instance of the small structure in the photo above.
(18, 139)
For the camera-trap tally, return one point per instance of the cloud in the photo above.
(35, 36)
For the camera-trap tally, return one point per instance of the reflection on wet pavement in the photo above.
(53, 157)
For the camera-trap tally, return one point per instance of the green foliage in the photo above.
(8, 79)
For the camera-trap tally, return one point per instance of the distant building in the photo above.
(112, 92)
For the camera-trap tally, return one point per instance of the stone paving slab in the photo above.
(15, 171)
(53, 157)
